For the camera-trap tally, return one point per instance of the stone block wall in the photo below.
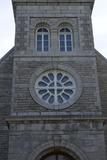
(28, 17)
(24, 68)
(28, 140)
(33, 127)
(6, 68)
(4, 139)
(102, 77)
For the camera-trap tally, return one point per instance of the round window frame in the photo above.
(66, 69)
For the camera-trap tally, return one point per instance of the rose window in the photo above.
(55, 87)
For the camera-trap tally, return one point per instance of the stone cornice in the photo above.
(54, 1)
(18, 119)
(51, 2)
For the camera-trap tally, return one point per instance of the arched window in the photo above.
(57, 156)
(42, 39)
(65, 38)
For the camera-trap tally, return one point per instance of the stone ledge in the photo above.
(54, 1)
(49, 123)
(13, 119)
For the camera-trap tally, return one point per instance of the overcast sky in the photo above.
(99, 19)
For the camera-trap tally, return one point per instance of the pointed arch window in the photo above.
(66, 40)
(43, 39)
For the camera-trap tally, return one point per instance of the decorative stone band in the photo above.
(54, 1)
(73, 123)
(58, 2)
(14, 119)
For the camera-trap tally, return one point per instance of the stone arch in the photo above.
(63, 145)
(40, 23)
(66, 23)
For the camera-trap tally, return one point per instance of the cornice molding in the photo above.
(18, 119)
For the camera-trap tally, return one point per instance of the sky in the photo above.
(7, 26)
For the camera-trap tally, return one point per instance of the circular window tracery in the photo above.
(55, 87)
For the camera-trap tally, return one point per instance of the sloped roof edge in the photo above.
(7, 55)
(99, 54)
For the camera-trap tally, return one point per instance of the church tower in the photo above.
(55, 110)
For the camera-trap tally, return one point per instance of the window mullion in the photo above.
(65, 36)
(55, 85)
(42, 42)
(48, 42)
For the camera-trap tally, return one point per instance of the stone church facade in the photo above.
(53, 85)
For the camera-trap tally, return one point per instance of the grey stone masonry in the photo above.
(30, 130)
(54, 1)
(102, 77)
(29, 18)
(6, 69)
(24, 68)
(34, 128)
(29, 140)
